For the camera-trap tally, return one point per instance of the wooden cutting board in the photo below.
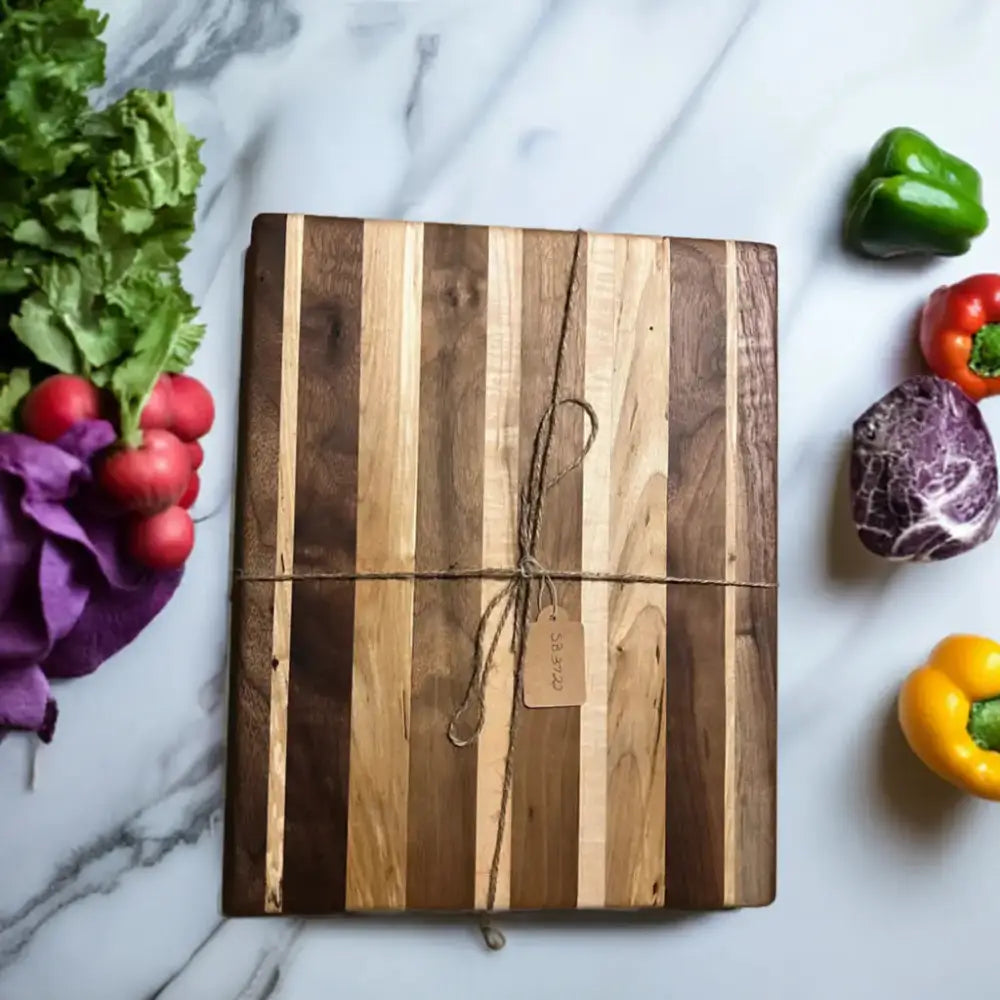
(394, 375)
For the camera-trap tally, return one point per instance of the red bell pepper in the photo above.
(960, 334)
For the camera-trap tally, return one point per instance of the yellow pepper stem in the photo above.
(984, 723)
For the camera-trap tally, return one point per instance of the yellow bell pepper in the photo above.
(949, 710)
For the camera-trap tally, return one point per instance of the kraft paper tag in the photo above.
(554, 668)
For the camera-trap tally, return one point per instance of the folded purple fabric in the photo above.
(25, 701)
(70, 597)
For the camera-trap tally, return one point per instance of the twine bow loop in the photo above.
(514, 598)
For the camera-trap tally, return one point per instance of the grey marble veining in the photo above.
(722, 118)
(181, 815)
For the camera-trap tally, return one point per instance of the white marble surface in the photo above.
(714, 118)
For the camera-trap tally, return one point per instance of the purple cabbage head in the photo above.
(923, 473)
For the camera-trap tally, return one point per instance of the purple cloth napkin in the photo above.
(70, 597)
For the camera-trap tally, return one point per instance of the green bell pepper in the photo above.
(912, 197)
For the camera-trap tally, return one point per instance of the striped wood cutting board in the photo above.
(393, 377)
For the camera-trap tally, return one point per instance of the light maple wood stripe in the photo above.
(391, 295)
(500, 491)
(732, 554)
(283, 560)
(636, 755)
(600, 352)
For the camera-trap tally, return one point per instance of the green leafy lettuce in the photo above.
(97, 208)
(14, 386)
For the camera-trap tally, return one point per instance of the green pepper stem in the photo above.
(984, 723)
(985, 358)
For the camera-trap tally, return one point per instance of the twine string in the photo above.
(514, 598)
(502, 573)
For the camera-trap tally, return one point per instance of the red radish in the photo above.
(194, 411)
(162, 541)
(56, 404)
(191, 493)
(149, 478)
(158, 411)
(197, 454)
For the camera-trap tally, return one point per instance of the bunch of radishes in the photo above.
(156, 480)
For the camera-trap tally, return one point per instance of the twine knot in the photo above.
(529, 567)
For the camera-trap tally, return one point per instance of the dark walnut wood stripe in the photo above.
(756, 746)
(757, 454)
(441, 822)
(260, 397)
(546, 794)
(253, 608)
(696, 480)
(696, 539)
(755, 688)
(696, 746)
(246, 778)
(322, 630)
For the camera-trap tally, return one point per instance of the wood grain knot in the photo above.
(465, 293)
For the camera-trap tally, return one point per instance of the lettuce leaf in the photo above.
(14, 386)
(38, 327)
(189, 336)
(97, 208)
(133, 380)
(51, 56)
